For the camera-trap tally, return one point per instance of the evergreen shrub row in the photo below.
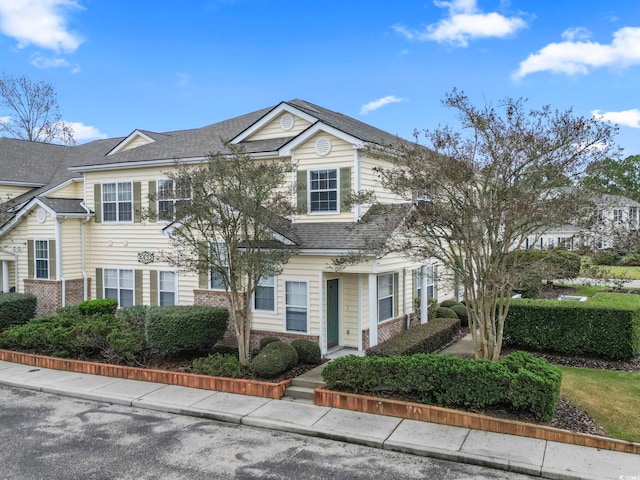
(425, 338)
(16, 308)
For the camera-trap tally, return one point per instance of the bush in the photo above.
(526, 384)
(461, 311)
(135, 315)
(177, 329)
(16, 308)
(264, 341)
(605, 257)
(449, 303)
(308, 351)
(273, 359)
(444, 312)
(608, 326)
(425, 338)
(99, 306)
(630, 260)
(219, 365)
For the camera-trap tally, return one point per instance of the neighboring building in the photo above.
(76, 229)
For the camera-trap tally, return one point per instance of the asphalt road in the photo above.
(51, 437)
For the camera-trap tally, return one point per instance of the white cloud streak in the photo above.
(627, 118)
(39, 22)
(465, 22)
(381, 102)
(578, 57)
(85, 133)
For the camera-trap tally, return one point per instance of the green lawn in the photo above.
(632, 273)
(611, 398)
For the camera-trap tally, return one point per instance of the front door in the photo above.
(333, 312)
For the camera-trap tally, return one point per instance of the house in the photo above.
(73, 228)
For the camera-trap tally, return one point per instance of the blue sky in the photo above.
(160, 66)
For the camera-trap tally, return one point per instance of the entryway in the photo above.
(333, 312)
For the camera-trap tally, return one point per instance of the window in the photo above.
(170, 195)
(216, 280)
(295, 304)
(565, 242)
(617, 215)
(264, 296)
(118, 284)
(323, 190)
(41, 258)
(431, 291)
(385, 297)
(167, 288)
(117, 202)
(633, 216)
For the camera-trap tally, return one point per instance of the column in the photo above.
(5, 276)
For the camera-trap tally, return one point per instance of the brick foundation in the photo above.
(74, 291)
(390, 329)
(49, 293)
(256, 335)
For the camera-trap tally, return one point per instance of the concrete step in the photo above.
(307, 382)
(300, 392)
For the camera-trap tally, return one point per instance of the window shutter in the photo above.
(203, 277)
(138, 285)
(414, 282)
(152, 201)
(153, 286)
(396, 299)
(137, 202)
(30, 261)
(52, 260)
(97, 203)
(345, 187)
(302, 191)
(99, 283)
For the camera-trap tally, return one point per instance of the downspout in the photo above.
(407, 317)
(59, 222)
(83, 267)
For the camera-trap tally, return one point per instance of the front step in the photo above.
(301, 393)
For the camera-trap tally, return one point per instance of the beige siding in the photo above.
(135, 141)
(350, 309)
(72, 190)
(15, 243)
(274, 130)
(7, 192)
(370, 181)
(71, 249)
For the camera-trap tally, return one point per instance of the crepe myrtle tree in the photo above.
(225, 230)
(480, 190)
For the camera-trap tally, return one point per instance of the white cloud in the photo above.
(578, 33)
(577, 57)
(39, 22)
(84, 133)
(628, 118)
(465, 22)
(381, 102)
(5, 119)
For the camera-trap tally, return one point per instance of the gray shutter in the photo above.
(137, 202)
(152, 201)
(52, 259)
(414, 283)
(138, 286)
(345, 187)
(396, 297)
(99, 283)
(153, 287)
(97, 203)
(302, 191)
(30, 259)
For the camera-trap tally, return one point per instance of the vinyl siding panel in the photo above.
(350, 308)
(274, 130)
(72, 190)
(7, 192)
(370, 181)
(71, 249)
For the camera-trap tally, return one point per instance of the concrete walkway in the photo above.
(516, 454)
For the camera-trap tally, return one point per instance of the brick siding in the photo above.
(49, 293)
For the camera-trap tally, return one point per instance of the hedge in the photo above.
(98, 306)
(219, 365)
(425, 338)
(176, 329)
(308, 351)
(608, 326)
(16, 308)
(526, 384)
(274, 359)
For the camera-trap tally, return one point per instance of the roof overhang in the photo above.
(317, 127)
(128, 140)
(33, 203)
(21, 184)
(262, 121)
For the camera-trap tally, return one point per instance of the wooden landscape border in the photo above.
(205, 382)
(458, 418)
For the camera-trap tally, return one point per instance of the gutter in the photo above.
(83, 260)
(58, 233)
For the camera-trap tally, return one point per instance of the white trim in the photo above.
(29, 206)
(337, 189)
(128, 140)
(117, 202)
(311, 131)
(322, 337)
(36, 258)
(21, 184)
(393, 296)
(284, 306)
(117, 269)
(161, 162)
(275, 299)
(175, 286)
(360, 307)
(271, 115)
(373, 309)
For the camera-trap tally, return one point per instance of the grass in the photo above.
(632, 273)
(609, 397)
(588, 290)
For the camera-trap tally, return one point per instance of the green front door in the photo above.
(333, 312)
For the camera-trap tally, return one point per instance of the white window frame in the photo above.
(633, 216)
(392, 296)
(565, 242)
(310, 191)
(119, 288)
(618, 215)
(273, 286)
(173, 284)
(212, 272)
(117, 201)
(37, 259)
(173, 200)
(285, 305)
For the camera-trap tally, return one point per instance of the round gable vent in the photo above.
(41, 215)
(323, 146)
(287, 121)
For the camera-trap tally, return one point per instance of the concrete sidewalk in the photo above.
(507, 452)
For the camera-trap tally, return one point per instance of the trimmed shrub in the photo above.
(264, 341)
(461, 311)
(630, 260)
(177, 329)
(449, 303)
(135, 315)
(425, 338)
(605, 257)
(274, 359)
(219, 365)
(526, 384)
(445, 312)
(99, 306)
(608, 326)
(16, 308)
(308, 351)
